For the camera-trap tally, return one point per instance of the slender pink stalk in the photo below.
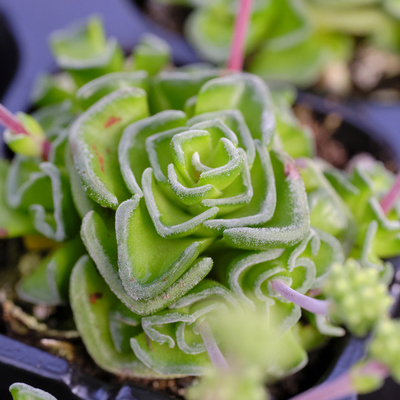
(389, 200)
(308, 303)
(342, 386)
(10, 121)
(236, 57)
(213, 350)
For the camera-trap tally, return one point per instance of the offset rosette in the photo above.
(303, 267)
(362, 189)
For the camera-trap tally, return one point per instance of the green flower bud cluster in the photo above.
(358, 299)
(385, 346)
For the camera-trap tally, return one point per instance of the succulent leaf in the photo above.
(84, 51)
(93, 302)
(152, 54)
(49, 282)
(94, 141)
(97, 88)
(98, 234)
(384, 346)
(13, 222)
(61, 222)
(30, 144)
(246, 93)
(368, 181)
(148, 263)
(290, 222)
(171, 89)
(22, 391)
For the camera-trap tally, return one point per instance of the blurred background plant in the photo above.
(339, 47)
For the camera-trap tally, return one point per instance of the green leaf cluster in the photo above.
(175, 199)
(293, 41)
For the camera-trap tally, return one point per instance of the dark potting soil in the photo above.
(336, 142)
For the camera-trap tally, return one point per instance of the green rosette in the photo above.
(302, 267)
(179, 185)
(362, 189)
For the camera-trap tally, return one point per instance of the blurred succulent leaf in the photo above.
(30, 144)
(171, 89)
(27, 184)
(152, 54)
(22, 391)
(49, 282)
(52, 89)
(61, 221)
(13, 222)
(55, 117)
(303, 63)
(228, 385)
(362, 189)
(328, 211)
(84, 51)
(97, 88)
(296, 140)
(384, 346)
(210, 28)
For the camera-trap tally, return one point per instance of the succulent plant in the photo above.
(289, 40)
(175, 211)
(384, 346)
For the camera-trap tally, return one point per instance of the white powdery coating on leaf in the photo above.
(83, 155)
(184, 228)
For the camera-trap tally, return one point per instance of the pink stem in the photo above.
(308, 303)
(342, 386)
(213, 350)
(10, 121)
(236, 57)
(388, 201)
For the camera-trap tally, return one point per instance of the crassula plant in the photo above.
(295, 41)
(189, 224)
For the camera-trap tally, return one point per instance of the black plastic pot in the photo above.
(20, 362)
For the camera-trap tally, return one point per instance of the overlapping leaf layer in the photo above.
(183, 188)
